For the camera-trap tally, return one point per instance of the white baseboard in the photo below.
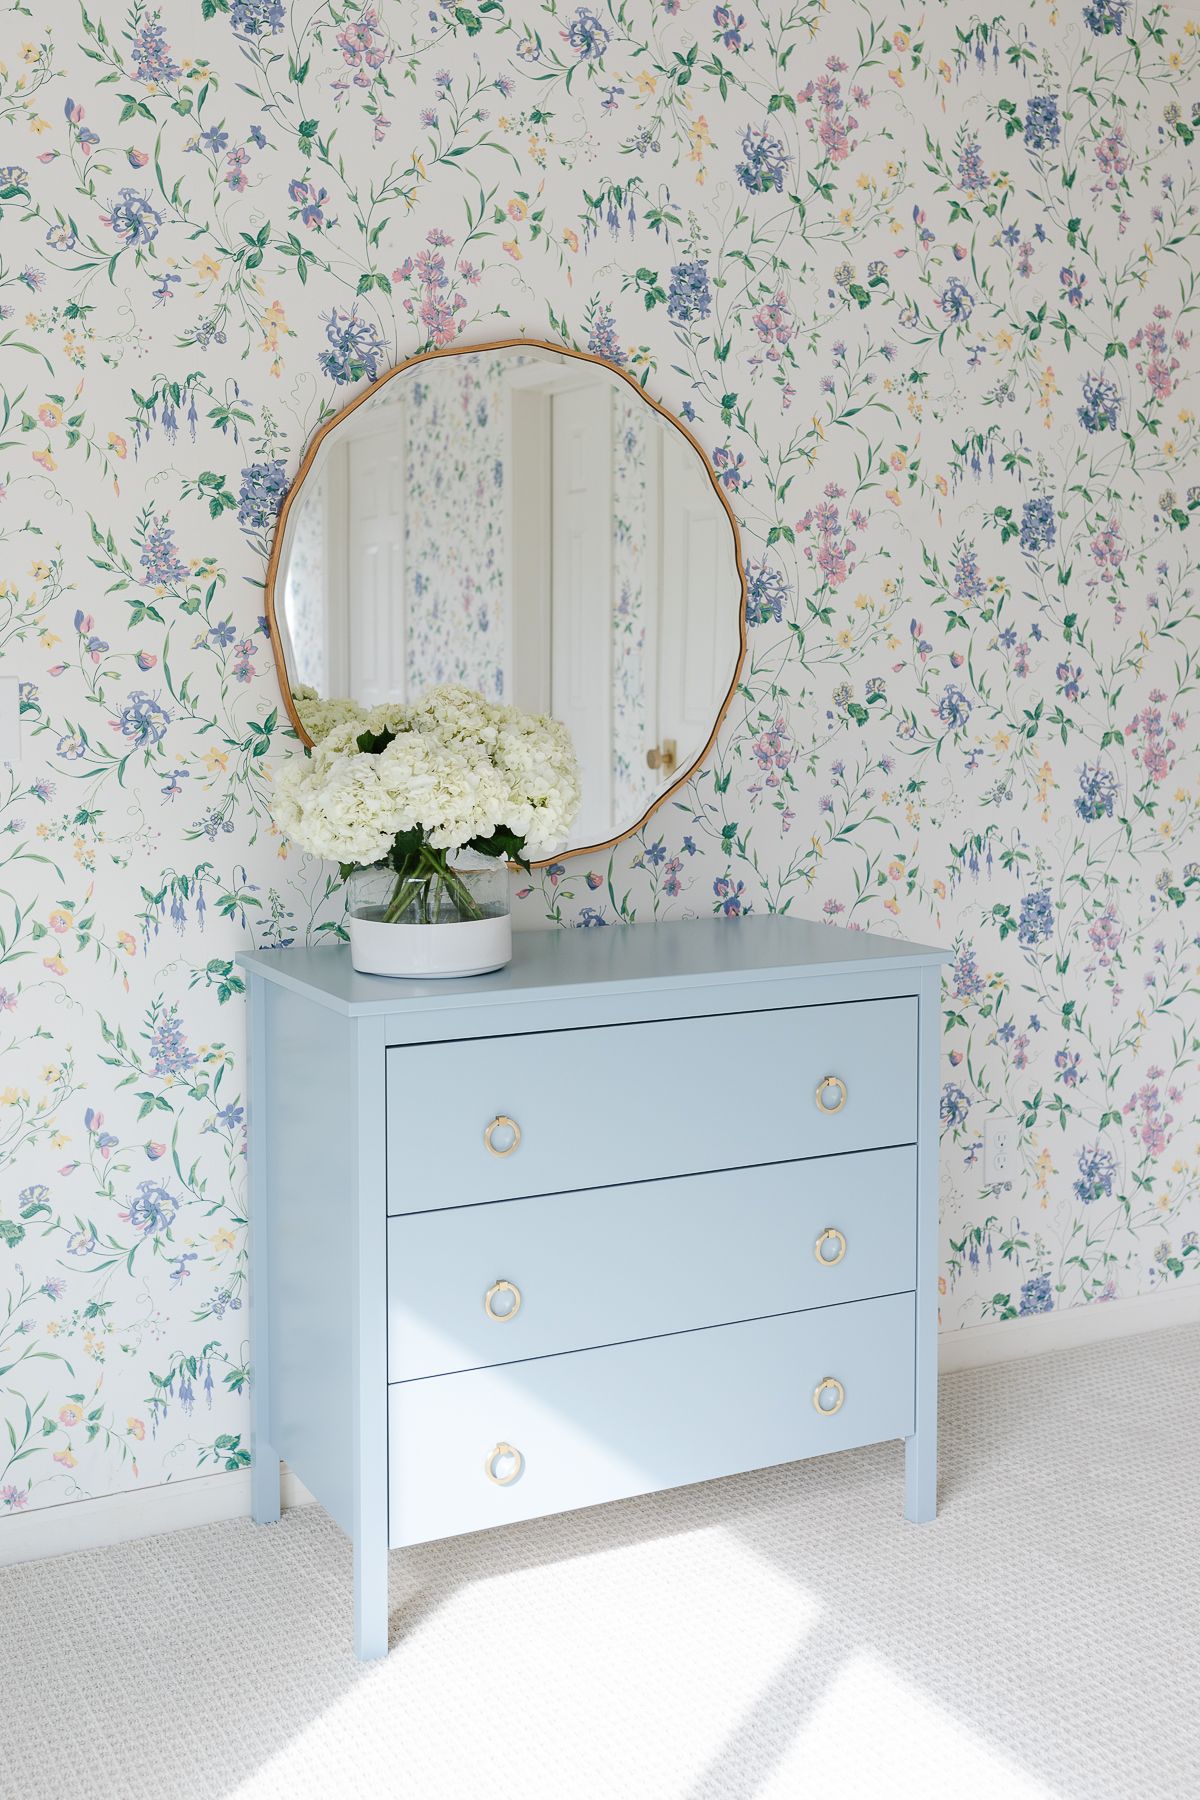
(137, 1513)
(977, 1345)
(144, 1512)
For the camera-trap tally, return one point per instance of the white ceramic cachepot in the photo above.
(431, 928)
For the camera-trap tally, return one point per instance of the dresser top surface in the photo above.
(561, 964)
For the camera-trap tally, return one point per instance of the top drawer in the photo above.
(620, 1103)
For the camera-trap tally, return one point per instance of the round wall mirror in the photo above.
(522, 518)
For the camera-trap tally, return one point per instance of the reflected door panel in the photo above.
(520, 519)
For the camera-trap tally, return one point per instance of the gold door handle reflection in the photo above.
(663, 756)
(502, 1122)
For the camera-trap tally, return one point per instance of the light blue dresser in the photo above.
(651, 1205)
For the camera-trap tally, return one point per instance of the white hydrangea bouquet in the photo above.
(430, 801)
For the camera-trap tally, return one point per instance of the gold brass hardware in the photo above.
(831, 1081)
(499, 1123)
(663, 756)
(502, 1287)
(830, 1385)
(493, 1457)
(830, 1235)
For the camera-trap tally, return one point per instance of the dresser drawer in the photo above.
(620, 1103)
(603, 1424)
(576, 1270)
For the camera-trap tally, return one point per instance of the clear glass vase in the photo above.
(437, 915)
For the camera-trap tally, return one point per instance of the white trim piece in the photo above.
(975, 1346)
(136, 1513)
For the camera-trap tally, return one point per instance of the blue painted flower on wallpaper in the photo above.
(767, 594)
(356, 349)
(159, 558)
(152, 1210)
(1042, 126)
(1037, 1296)
(1097, 796)
(1036, 920)
(764, 163)
(1101, 403)
(264, 485)
(151, 54)
(133, 218)
(144, 719)
(1105, 17)
(1097, 1173)
(956, 301)
(257, 18)
(1037, 524)
(953, 1106)
(586, 35)
(689, 296)
(602, 338)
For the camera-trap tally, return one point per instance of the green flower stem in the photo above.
(421, 881)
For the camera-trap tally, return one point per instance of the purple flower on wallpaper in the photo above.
(169, 1053)
(968, 982)
(159, 558)
(355, 347)
(1036, 921)
(150, 53)
(133, 218)
(152, 1209)
(602, 338)
(954, 1105)
(264, 485)
(586, 35)
(972, 176)
(143, 719)
(1097, 794)
(1105, 18)
(689, 296)
(968, 583)
(257, 18)
(1036, 1296)
(956, 301)
(1101, 402)
(1042, 128)
(1097, 1173)
(954, 709)
(1037, 524)
(767, 593)
(764, 163)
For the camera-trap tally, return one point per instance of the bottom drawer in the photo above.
(599, 1425)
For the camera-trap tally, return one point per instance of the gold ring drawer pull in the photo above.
(502, 1287)
(830, 1235)
(826, 1082)
(830, 1385)
(502, 1122)
(493, 1457)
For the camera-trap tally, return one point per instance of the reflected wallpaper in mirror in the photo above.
(525, 521)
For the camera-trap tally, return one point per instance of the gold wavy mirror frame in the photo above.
(276, 618)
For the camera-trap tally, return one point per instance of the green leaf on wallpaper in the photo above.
(11, 1233)
(471, 22)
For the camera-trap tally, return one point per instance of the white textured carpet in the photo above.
(781, 1635)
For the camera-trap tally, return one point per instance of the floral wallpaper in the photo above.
(924, 287)
(456, 557)
(633, 707)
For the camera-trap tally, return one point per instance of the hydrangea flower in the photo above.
(1036, 1296)
(257, 18)
(264, 485)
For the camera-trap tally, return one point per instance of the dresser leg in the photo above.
(920, 1478)
(370, 1601)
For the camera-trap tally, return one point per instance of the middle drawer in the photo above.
(476, 1285)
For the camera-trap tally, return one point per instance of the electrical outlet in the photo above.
(999, 1149)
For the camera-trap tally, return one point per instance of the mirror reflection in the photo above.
(526, 522)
